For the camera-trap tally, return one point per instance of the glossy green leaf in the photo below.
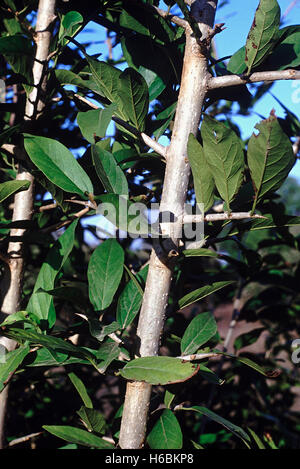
(93, 124)
(41, 302)
(81, 389)
(166, 433)
(130, 301)
(202, 328)
(224, 154)
(263, 34)
(201, 293)
(78, 436)
(203, 179)
(104, 273)
(70, 25)
(237, 431)
(159, 370)
(10, 361)
(133, 97)
(93, 420)
(58, 164)
(11, 187)
(155, 84)
(67, 77)
(108, 171)
(106, 78)
(270, 157)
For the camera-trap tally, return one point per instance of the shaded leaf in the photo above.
(201, 252)
(93, 420)
(237, 431)
(94, 123)
(78, 436)
(10, 361)
(108, 171)
(200, 293)
(166, 433)
(202, 328)
(41, 302)
(81, 389)
(11, 187)
(58, 164)
(203, 179)
(105, 271)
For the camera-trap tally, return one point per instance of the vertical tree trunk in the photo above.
(11, 286)
(193, 90)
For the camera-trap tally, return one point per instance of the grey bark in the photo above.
(193, 90)
(11, 286)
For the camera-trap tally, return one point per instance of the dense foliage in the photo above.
(83, 290)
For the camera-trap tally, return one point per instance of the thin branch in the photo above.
(22, 439)
(199, 356)
(157, 147)
(219, 216)
(168, 16)
(289, 9)
(296, 147)
(235, 80)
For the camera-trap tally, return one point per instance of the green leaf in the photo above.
(203, 179)
(248, 338)
(256, 439)
(210, 376)
(270, 157)
(159, 370)
(70, 25)
(287, 51)
(78, 436)
(11, 187)
(41, 302)
(105, 271)
(94, 123)
(202, 328)
(166, 116)
(155, 84)
(130, 301)
(93, 420)
(237, 431)
(166, 433)
(10, 361)
(224, 154)
(67, 77)
(263, 34)
(58, 164)
(133, 97)
(81, 389)
(126, 215)
(106, 78)
(201, 293)
(168, 398)
(18, 51)
(108, 171)
(237, 63)
(201, 252)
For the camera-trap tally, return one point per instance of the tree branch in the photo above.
(235, 80)
(192, 94)
(219, 217)
(11, 285)
(157, 147)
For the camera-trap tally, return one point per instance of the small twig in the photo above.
(296, 147)
(199, 356)
(289, 9)
(24, 438)
(219, 217)
(235, 80)
(157, 147)
(44, 208)
(86, 203)
(168, 16)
